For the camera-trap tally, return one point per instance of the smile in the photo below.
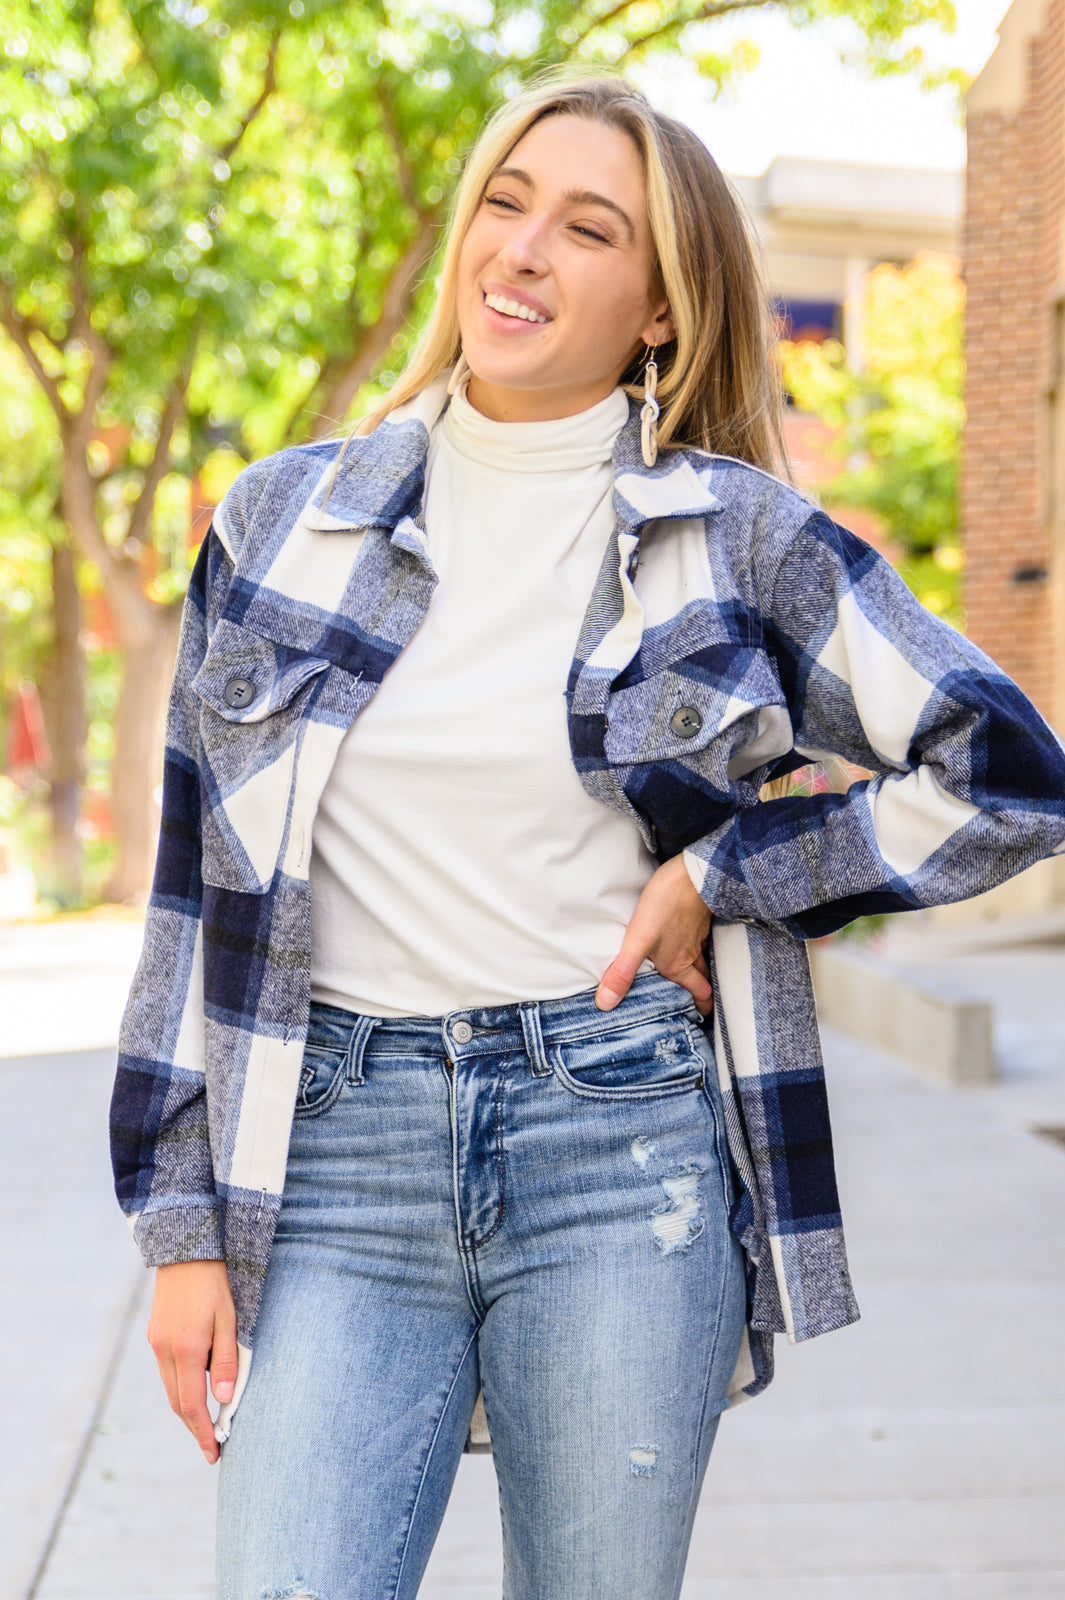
(513, 308)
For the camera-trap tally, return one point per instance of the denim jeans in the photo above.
(532, 1198)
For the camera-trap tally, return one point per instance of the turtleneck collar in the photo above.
(565, 444)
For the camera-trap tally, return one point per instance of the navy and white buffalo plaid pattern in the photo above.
(725, 595)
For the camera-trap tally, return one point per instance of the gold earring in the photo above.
(650, 409)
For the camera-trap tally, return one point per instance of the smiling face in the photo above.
(556, 290)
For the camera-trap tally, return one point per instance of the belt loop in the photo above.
(360, 1036)
(534, 1038)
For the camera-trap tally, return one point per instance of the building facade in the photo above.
(1013, 483)
(822, 226)
(1013, 479)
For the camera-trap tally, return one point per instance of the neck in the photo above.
(534, 405)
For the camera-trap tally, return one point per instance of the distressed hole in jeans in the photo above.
(298, 1591)
(667, 1048)
(677, 1224)
(642, 1150)
(643, 1460)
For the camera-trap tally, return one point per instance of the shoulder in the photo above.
(753, 522)
(749, 496)
(271, 487)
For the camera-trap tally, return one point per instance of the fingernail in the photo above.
(606, 999)
(223, 1392)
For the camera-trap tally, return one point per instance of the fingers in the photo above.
(193, 1326)
(697, 982)
(616, 981)
(183, 1369)
(224, 1359)
(669, 928)
(191, 1375)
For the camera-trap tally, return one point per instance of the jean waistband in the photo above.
(530, 1023)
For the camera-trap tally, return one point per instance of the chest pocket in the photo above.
(684, 738)
(253, 695)
(720, 709)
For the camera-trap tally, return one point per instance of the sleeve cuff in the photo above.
(728, 898)
(178, 1233)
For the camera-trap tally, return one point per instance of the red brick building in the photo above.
(1013, 478)
(1013, 484)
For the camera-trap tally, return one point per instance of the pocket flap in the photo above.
(673, 715)
(246, 678)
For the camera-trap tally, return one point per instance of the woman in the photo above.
(415, 1079)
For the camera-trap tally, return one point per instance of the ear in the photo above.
(661, 327)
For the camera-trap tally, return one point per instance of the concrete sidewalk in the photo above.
(63, 985)
(915, 1456)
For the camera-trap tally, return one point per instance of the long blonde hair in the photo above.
(718, 387)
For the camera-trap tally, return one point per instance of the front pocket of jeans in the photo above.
(321, 1079)
(642, 1062)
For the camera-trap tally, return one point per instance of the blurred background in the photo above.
(217, 227)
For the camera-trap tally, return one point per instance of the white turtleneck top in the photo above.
(457, 861)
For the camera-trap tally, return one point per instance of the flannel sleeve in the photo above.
(968, 782)
(160, 1146)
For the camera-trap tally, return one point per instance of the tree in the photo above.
(900, 419)
(215, 226)
(40, 607)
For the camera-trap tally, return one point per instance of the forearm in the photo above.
(814, 863)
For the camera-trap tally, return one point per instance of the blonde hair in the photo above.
(718, 387)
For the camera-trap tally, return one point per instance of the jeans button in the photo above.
(461, 1032)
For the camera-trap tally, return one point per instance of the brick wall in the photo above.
(1013, 265)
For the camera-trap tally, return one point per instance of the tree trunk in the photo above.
(148, 662)
(63, 703)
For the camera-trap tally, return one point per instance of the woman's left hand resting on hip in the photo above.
(669, 928)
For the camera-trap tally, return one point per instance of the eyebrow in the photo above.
(573, 197)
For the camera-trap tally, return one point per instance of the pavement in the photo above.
(915, 1456)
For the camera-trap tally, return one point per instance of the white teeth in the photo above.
(513, 308)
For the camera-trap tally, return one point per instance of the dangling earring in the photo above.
(459, 375)
(649, 411)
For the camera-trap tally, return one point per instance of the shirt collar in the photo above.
(378, 479)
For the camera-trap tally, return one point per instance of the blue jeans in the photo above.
(531, 1198)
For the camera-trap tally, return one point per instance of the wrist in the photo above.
(681, 878)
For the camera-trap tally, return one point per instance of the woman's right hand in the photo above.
(193, 1319)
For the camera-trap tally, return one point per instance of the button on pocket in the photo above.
(686, 722)
(239, 692)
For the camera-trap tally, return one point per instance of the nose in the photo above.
(525, 250)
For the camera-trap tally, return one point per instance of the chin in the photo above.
(509, 374)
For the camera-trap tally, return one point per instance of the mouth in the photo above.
(514, 310)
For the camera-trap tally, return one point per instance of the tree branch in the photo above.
(101, 352)
(405, 176)
(160, 462)
(226, 150)
(375, 341)
(702, 13)
(33, 326)
(19, 329)
(77, 501)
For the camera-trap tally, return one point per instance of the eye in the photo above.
(501, 201)
(590, 233)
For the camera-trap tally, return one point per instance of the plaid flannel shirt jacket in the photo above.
(782, 636)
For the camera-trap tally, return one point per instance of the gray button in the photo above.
(686, 722)
(240, 692)
(461, 1032)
